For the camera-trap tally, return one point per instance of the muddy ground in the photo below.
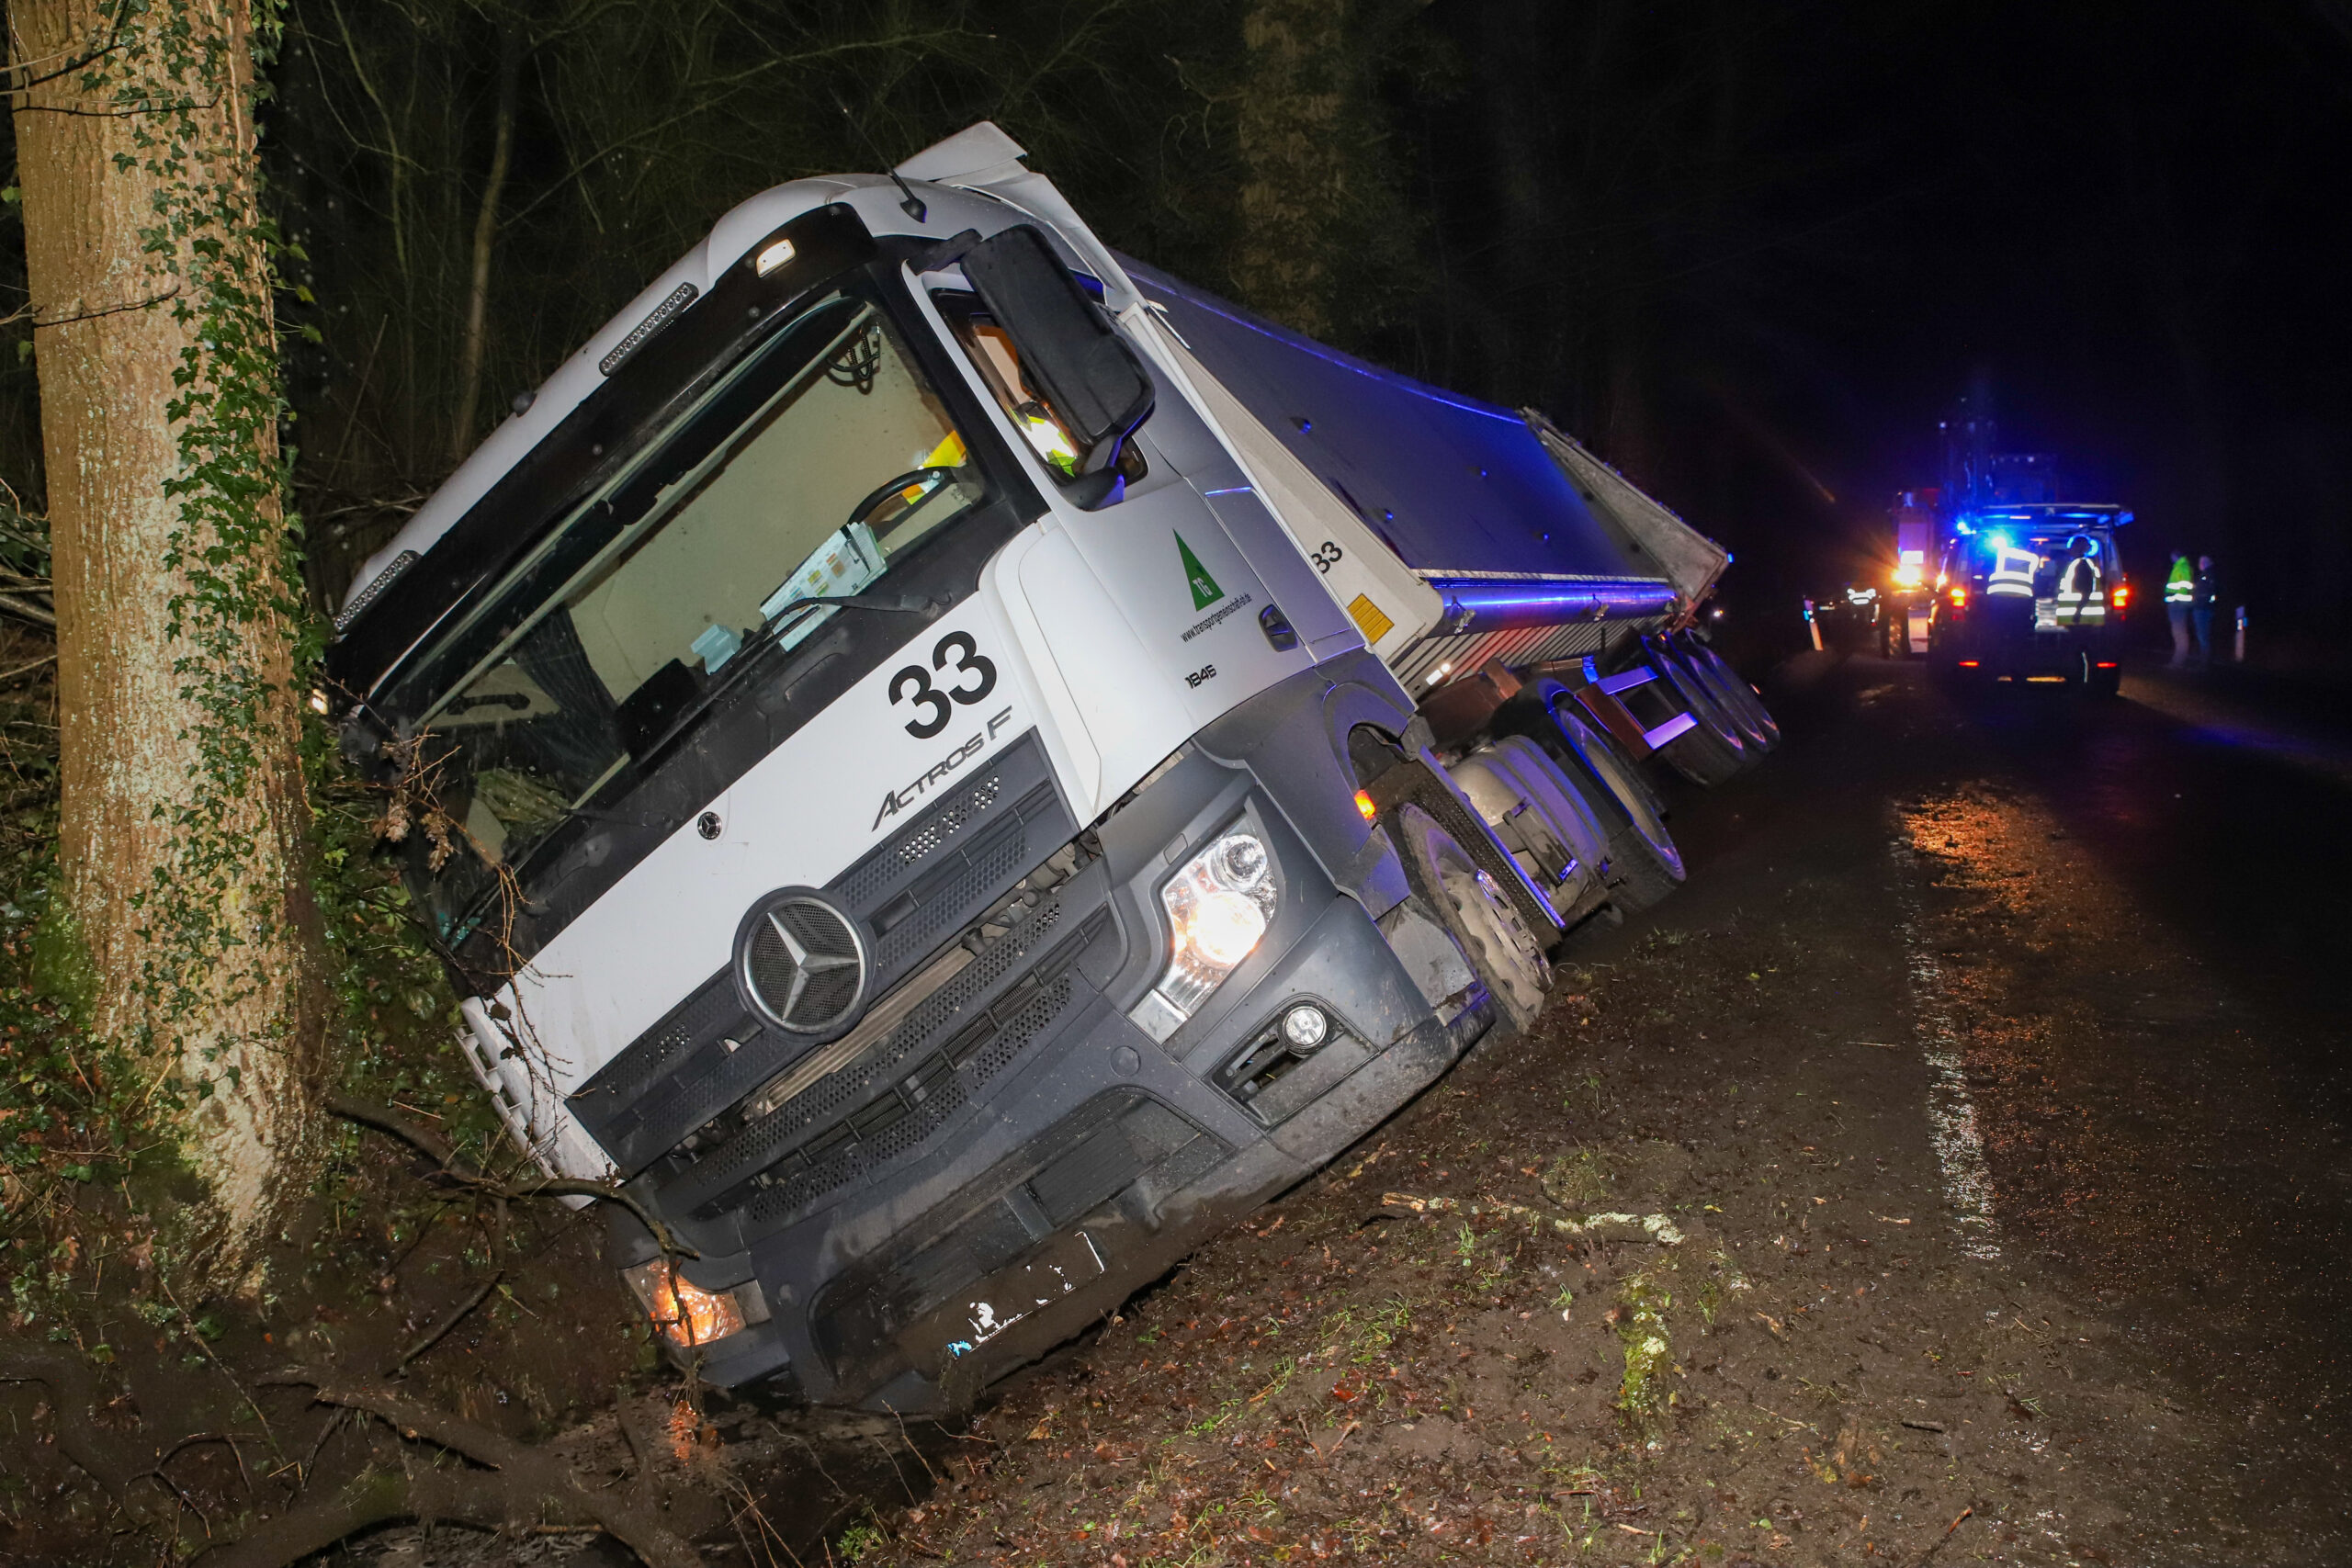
(2007, 1210)
(1954, 1171)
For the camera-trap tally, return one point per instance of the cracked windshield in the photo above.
(662, 586)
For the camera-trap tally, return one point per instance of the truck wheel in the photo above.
(1643, 865)
(1478, 913)
(1702, 755)
(1699, 688)
(1756, 721)
(1712, 749)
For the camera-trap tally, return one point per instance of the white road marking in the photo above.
(1951, 1115)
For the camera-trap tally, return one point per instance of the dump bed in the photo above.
(1454, 531)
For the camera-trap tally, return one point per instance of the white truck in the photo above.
(920, 775)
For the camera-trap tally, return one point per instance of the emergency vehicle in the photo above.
(2034, 595)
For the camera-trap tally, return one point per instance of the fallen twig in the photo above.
(1939, 1542)
(455, 1168)
(41, 615)
(1659, 1227)
(524, 1482)
(439, 1331)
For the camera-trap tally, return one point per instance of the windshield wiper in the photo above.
(766, 637)
(743, 658)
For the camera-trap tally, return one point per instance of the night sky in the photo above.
(1756, 252)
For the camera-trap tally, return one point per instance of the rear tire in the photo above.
(1756, 720)
(1476, 913)
(1712, 749)
(1643, 865)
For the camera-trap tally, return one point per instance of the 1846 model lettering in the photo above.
(976, 678)
(896, 800)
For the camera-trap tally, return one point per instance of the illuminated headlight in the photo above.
(1219, 903)
(682, 1312)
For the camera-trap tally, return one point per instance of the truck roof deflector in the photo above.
(976, 155)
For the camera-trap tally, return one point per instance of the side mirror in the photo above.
(1070, 355)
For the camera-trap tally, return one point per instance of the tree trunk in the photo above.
(1295, 152)
(183, 896)
(510, 70)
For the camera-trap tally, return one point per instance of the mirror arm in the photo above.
(946, 252)
(1092, 492)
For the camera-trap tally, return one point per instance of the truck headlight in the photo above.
(1219, 903)
(685, 1313)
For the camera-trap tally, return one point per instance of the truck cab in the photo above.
(2034, 595)
(935, 777)
(898, 806)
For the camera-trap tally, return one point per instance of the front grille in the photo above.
(953, 864)
(892, 1127)
(880, 1106)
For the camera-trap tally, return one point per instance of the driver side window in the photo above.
(993, 351)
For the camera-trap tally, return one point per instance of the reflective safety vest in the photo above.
(2082, 591)
(2012, 573)
(2180, 588)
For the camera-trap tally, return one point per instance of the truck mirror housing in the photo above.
(1070, 355)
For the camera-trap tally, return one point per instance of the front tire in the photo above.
(1476, 913)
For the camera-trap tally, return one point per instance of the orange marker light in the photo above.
(1364, 804)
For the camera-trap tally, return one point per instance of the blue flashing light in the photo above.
(1998, 539)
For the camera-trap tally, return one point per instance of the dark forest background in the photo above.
(1751, 253)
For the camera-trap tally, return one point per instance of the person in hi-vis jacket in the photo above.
(2204, 591)
(2180, 593)
(2082, 586)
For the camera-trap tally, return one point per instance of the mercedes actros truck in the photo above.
(947, 766)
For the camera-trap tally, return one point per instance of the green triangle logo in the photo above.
(1205, 591)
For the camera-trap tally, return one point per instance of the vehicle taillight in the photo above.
(1960, 594)
(2121, 596)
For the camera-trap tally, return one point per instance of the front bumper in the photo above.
(1017, 1156)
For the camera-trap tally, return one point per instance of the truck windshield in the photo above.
(805, 473)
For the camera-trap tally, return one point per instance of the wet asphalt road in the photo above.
(2128, 921)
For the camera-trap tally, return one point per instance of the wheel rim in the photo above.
(1494, 927)
(1704, 705)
